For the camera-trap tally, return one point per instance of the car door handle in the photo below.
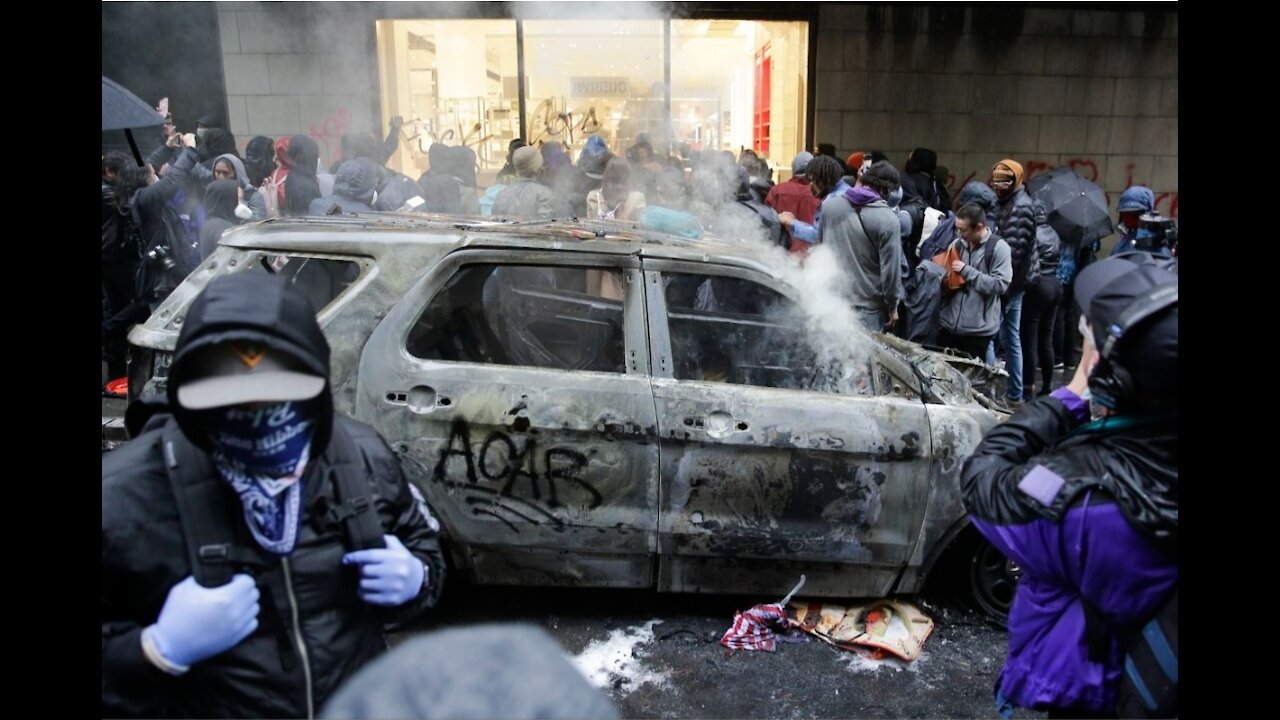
(716, 424)
(419, 399)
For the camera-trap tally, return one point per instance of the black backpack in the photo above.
(169, 258)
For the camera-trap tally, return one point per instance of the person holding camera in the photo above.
(1089, 509)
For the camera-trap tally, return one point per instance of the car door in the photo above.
(514, 386)
(776, 461)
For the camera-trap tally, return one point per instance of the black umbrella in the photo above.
(122, 110)
(1077, 208)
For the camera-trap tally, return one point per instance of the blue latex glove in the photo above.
(198, 622)
(388, 576)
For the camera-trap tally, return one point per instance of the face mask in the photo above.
(243, 212)
(262, 453)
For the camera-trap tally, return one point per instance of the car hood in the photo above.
(953, 379)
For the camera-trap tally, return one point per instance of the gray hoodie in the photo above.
(869, 251)
(974, 309)
(257, 204)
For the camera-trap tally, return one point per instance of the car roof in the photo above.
(381, 233)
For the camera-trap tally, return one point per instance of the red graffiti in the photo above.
(1033, 167)
(1077, 163)
(331, 129)
(1173, 204)
(1166, 203)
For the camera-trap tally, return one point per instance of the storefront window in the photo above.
(735, 84)
(739, 84)
(453, 81)
(595, 77)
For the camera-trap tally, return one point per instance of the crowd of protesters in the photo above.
(890, 227)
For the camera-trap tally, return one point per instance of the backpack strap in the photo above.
(354, 510)
(214, 536)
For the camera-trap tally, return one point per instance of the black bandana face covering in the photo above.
(263, 451)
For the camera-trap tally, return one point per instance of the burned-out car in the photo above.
(592, 404)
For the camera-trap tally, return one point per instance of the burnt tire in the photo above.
(993, 579)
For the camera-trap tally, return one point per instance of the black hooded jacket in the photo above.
(353, 188)
(144, 553)
(220, 202)
(302, 187)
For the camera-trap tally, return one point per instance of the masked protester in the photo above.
(1089, 510)
(254, 544)
(1134, 201)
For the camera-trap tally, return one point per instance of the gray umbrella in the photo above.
(1077, 208)
(122, 110)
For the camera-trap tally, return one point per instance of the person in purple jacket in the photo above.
(1088, 509)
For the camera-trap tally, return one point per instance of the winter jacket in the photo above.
(1048, 245)
(863, 233)
(1091, 519)
(974, 309)
(1015, 222)
(220, 207)
(314, 630)
(1136, 198)
(353, 188)
(252, 198)
(796, 197)
(528, 199)
(945, 232)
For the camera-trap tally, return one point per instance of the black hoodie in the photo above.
(220, 200)
(145, 553)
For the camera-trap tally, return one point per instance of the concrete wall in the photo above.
(306, 68)
(1093, 89)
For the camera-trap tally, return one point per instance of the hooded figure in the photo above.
(462, 166)
(1015, 221)
(230, 167)
(259, 159)
(261, 468)
(396, 191)
(482, 671)
(1089, 510)
(439, 188)
(302, 186)
(974, 192)
(353, 189)
(1134, 201)
(213, 143)
(220, 200)
(864, 235)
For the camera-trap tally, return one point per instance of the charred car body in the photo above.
(589, 404)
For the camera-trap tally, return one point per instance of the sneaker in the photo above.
(1059, 366)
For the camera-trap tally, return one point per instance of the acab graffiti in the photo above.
(514, 469)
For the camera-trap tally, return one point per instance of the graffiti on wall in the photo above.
(1087, 168)
(329, 134)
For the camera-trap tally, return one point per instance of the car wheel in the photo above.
(992, 579)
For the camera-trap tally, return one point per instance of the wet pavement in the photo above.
(658, 656)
